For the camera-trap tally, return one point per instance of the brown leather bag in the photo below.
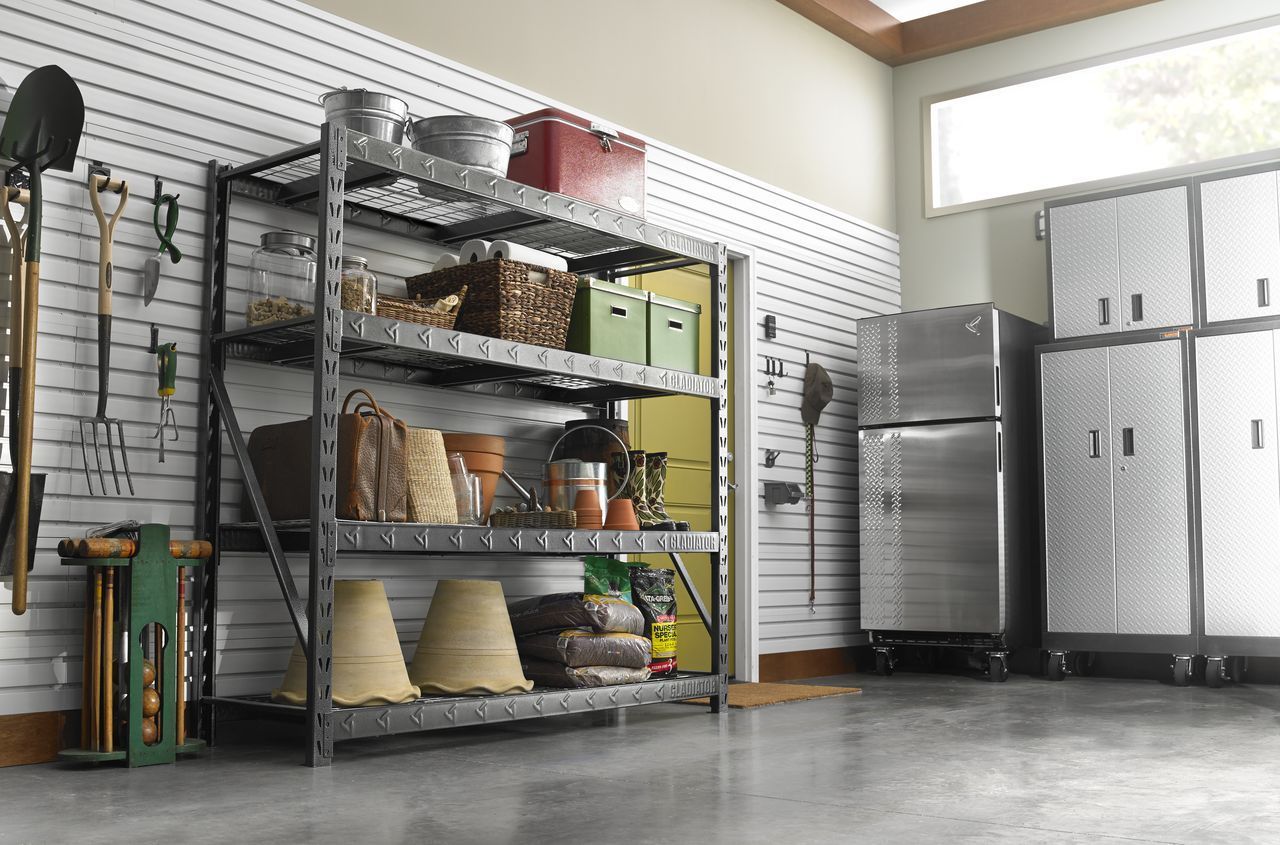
(371, 465)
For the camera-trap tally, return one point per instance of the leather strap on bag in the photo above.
(382, 422)
(372, 403)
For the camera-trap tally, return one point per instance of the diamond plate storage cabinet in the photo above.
(1118, 499)
(350, 179)
(945, 433)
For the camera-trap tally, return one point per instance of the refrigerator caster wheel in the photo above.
(1215, 672)
(1057, 668)
(997, 669)
(884, 663)
(1181, 670)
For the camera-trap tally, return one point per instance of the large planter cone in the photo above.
(466, 646)
(368, 665)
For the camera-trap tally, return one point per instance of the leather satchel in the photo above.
(371, 465)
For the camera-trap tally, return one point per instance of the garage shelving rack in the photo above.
(347, 178)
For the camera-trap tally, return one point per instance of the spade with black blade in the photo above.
(41, 131)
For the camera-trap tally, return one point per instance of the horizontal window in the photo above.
(1202, 102)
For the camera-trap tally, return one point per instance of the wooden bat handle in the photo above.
(109, 547)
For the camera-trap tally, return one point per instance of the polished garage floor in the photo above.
(915, 758)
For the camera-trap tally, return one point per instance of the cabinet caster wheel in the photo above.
(1082, 663)
(997, 669)
(1215, 672)
(884, 663)
(1237, 668)
(1057, 668)
(1181, 670)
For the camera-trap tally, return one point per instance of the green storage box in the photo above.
(609, 320)
(673, 333)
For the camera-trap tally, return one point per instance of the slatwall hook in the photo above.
(155, 334)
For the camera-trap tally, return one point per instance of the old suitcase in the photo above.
(371, 465)
(559, 151)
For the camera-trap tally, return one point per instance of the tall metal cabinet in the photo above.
(1117, 499)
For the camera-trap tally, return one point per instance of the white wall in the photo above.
(170, 85)
(745, 83)
(992, 254)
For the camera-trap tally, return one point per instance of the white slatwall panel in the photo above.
(170, 85)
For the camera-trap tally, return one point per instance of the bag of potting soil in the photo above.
(545, 674)
(605, 576)
(654, 592)
(576, 647)
(557, 611)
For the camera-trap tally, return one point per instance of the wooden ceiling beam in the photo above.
(860, 22)
(877, 33)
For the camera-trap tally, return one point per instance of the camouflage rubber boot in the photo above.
(655, 487)
(637, 489)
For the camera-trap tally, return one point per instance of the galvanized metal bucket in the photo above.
(476, 142)
(380, 116)
(567, 476)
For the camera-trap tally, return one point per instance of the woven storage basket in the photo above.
(534, 519)
(505, 299)
(427, 472)
(419, 310)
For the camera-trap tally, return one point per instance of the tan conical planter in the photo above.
(368, 665)
(466, 646)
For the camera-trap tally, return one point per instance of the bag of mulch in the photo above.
(545, 674)
(555, 612)
(604, 576)
(654, 592)
(576, 647)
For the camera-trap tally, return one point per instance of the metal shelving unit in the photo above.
(348, 178)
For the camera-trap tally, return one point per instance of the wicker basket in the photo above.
(418, 311)
(506, 299)
(534, 519)
(431, 496)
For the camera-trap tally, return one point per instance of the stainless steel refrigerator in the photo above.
(946, 471)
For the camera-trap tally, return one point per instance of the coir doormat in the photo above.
(748, 696)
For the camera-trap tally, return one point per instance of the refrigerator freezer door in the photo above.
(931, 533)
(1149, 460)
(1080, 579)
(932, 365)
(1239, 483)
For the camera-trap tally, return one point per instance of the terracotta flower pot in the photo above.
(621, 516)
(586, 505)
(484, 454)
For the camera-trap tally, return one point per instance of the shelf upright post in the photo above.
(324, 445)
(204, 598)
(720, 495)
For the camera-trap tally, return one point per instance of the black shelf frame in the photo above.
(347, 178)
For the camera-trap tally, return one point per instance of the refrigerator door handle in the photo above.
(1256, 430)
(1095, 443)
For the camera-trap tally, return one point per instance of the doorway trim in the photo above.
(746, 536)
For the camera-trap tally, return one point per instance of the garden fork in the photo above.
(106, 228)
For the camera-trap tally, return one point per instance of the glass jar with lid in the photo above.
(359, 286)
(282, 278)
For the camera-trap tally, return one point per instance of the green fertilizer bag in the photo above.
(607, 577)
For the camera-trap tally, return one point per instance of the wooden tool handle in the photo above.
(106, 231)
(122, 547)
(95, 694)
(181, 679)
(108, 659)
(22, 449)
(17, 247)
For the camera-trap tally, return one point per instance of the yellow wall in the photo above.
(747, 84)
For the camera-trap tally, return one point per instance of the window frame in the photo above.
(1093, 185)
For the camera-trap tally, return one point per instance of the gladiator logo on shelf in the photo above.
(692, 688)
(689, 246)
(687, 383)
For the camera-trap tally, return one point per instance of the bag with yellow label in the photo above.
(654, 592)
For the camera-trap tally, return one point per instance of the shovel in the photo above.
(42, 130)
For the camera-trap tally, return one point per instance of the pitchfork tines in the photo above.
(107, 424)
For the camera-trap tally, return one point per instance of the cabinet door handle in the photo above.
(1095, 443)
(1256, 431)
(1136, 307)
(1264, 293)
(1104, 311)
(1126, 437)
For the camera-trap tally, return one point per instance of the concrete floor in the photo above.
(915, 758)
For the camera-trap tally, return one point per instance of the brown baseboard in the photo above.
(28, 738)
(792, 665)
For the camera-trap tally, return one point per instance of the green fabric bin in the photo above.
(609, 320)
(673, 333)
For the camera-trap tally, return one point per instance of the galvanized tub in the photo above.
(476, 142)
(568, 476)
(380, 116)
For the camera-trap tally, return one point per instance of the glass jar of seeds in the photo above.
(359, 286)
(282, 278)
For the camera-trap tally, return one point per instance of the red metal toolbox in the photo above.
(562, 152)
